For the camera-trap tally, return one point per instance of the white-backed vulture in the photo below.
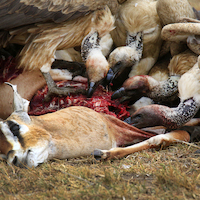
(46, 26)
(173, 118)
(133, 17)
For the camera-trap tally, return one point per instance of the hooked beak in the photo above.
(109, 78)
(119, 93)
(113, 73)
(132, 122)
(91, 88)
(126, 95)
(128, 120)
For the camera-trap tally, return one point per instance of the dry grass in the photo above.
(173, 173)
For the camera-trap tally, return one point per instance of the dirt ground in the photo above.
(171, 173)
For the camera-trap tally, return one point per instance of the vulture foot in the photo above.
(53, 89)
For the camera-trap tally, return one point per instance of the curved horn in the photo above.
(19, 103)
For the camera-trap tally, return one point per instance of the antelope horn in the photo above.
(19, 103)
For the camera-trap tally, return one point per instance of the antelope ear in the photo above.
(20, 105)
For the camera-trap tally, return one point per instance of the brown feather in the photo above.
(43, 39)
(182, 62)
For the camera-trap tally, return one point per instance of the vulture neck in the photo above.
(177, 117)
(165, 90)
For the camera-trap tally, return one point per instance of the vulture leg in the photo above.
(153, 142)
(53, 89)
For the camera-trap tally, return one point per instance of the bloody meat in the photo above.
(100, 101)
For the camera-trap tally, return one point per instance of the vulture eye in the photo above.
(138, 116)
(118, 63)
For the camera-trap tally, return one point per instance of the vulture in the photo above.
(173, 118)
(137, 38)
(43, 27)
(172, 11)
(159, 91)
(173, 16)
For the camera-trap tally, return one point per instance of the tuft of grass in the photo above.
(172, 173)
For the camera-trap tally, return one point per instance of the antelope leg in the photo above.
(155, 141)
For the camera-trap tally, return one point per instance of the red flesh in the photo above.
(100, 101)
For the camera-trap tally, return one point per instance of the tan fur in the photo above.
(64, 127)
(156, 141)
(71, 132)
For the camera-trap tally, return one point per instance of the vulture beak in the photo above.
(119, 93)
(109, 77)
(128, 120)
(126, 95)
(92, 87)
(113, 73)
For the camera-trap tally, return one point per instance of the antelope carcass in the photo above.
(71, 132)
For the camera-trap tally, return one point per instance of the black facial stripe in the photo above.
(14, 128)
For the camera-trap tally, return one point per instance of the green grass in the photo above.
(173, 173)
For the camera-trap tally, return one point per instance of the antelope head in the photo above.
(16, 142)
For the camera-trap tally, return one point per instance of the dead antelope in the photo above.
(71, 132)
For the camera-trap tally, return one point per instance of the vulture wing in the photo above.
(15, 13)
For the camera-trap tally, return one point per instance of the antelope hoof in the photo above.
(100, 154)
